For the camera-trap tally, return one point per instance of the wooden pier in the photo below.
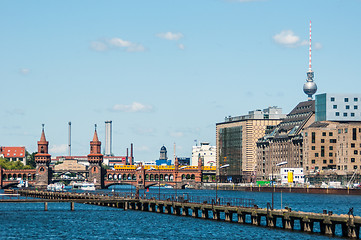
(287, 219)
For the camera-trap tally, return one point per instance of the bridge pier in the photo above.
(176, 210)
(168, 209)
(306, 225)
(271, 221)
(228, 216)
(350, 230)
(195, 212)
(216, 214)
(152, 207)
(185, 211)
(241, 217)
(205, 213)
(160, 208)
(255, 218)
(287, 222)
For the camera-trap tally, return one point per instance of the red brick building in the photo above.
(13, 154)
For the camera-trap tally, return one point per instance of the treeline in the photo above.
(30, 160)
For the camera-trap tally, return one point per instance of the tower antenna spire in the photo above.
(310, 52)
(310, 86)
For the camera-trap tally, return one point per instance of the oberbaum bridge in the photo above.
(237, 210)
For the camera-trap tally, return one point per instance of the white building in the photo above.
(292, 175)
(207, 154)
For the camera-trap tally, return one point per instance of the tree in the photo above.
(30, 159)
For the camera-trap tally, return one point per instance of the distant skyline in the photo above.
(163, 71)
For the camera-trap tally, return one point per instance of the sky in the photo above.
(165, 72)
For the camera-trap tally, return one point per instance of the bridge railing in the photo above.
(237, 202)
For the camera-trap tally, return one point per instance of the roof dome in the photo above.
(163, 149)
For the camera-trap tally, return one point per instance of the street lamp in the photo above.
(152, 168)
(224, 166)
(278, 164)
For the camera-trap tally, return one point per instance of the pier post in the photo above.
(176, 210)
(205, 213)
(350, 230)
(306, 225)
(271, 221)
(327, 227)
(46, 206)
(152, 207)
(185, 211)
(71, 206)
(255, 218)
(228, 216)
(287, 222)
(160, 208)
(194, 212)
(215, 214)
(241, 217)
(168, 209)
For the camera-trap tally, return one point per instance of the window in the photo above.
(313, 148)
(337, 114)
(355, 152)
(354, 132)
(334, 106)
(331, 161)
(354, 166)
(322, 151)
(322, 140)
(332, 140)
(332, 99)
(330, 154)
(352, 145)
(316, 154)
(346, 99)
(313, 137)
(331, 148)
(323, 134)
(313, 161)
(355, 107)
(324, 161)
(346, 130)
(330, 134)
(352, 114)
(345, 114)
(355, 99)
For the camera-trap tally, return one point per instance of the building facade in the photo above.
(206, 152)
(14, 154)
(338, 107)
(236, 143)
(333, 149)
(284, 143)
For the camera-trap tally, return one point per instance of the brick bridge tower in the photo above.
(42, 161)
(95, 159)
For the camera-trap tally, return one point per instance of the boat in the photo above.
(84, 186)
(55, 187)
(167, 186)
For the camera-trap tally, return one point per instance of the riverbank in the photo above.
(310, 190)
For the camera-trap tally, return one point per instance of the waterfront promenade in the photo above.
(238, 211)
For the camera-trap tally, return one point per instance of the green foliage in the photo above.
(105, 166)
(6, 164)
(30, 160)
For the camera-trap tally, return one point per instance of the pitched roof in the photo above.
(13, 152)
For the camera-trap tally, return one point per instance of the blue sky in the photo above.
(164, 71)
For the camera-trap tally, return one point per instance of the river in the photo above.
(30, 221)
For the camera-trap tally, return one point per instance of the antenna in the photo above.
(310, 62)
(43, 126)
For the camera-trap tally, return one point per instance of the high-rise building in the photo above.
(236, 142)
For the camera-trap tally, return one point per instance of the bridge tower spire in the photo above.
(95, 159)
(42, 161)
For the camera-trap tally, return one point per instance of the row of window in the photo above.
(346, 107)
(345, 114)
(345, 99)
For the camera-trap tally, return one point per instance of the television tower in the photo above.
(310, 86)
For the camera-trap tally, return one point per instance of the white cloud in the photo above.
(170, 36)
(116, 43)
(181, 46)
(98, 46)
(317, 46)
(287, 38)
(24, 71)
(144, 131)
(133, 107)
(58, 148)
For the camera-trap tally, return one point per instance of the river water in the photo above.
(30, 221)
